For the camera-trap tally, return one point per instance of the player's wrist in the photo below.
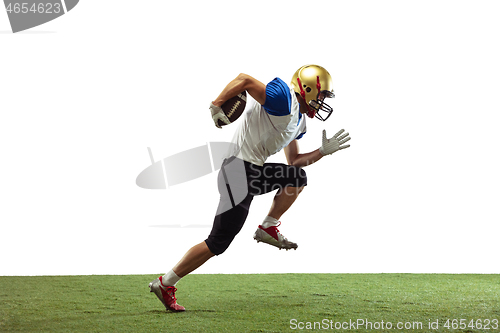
(322, 151)
(217, 103)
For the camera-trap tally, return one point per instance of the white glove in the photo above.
(218, 114)
(330, 146)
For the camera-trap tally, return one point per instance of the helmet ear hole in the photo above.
(308, 89)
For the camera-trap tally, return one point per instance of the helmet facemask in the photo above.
(319, 106)
(314, 106)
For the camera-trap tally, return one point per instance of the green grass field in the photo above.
(253, 303)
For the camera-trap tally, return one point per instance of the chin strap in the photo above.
(310, 112)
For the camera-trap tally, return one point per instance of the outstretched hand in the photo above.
(330, 146)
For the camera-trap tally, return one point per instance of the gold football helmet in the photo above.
(314, 84)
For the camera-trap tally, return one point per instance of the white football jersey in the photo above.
(266, 129)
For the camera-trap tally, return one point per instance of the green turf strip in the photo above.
(253, 303)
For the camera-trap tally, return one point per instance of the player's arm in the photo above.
(300, 160)
(241, 83)
(328, 147)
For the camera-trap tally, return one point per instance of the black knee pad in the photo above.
(227, 225)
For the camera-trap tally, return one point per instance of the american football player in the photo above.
(274, 120)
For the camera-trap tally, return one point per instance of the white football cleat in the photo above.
(272, 236)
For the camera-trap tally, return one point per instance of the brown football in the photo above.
(234, 107)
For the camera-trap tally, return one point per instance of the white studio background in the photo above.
(83, 96)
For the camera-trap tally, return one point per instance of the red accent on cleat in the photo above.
(168, 293)
(272, 231)
(272, 236)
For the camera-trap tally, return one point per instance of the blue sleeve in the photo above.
(278, 98)
(300, 136)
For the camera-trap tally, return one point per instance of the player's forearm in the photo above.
(302, 160)
(234, 88)
(243, 82)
